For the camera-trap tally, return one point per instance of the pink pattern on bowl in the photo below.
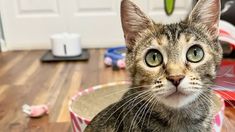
(79, 123)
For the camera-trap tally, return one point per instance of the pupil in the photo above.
(195, 52)
(154, 57)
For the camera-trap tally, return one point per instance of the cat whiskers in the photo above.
(226, 73)
(140, 111)
(151, 110)
(144, 111)
(144, 96)
(230, 103)
(203, 100)
(152, 103)
(136, 96)
(148, 110)
(225, 94)
(119, 91)
(158, 89)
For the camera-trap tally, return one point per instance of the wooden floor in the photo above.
(25, 80)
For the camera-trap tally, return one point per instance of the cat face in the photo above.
(177, 62)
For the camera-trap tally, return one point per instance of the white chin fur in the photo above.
(181, 100)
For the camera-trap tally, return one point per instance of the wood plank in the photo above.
(18, 67)
(3, 88)
(45, 96)
(90, 70)
(9, 61)
(10, 112)
(50, 127)
(60, 95)
(21, 80)
(64, 115)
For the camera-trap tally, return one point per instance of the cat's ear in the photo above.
(207, 12)
(133, 21)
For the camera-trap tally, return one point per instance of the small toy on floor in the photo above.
(36, 110)
(115, 57)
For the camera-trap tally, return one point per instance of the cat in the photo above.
(172, 67)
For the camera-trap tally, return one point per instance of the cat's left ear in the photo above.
(207, 12)
(133, 22)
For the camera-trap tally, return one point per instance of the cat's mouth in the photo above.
(177, 97)
(177, 94)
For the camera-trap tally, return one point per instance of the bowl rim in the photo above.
(89, 90)
(96, 87)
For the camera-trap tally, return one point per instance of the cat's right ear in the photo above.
(133, 21)
(207, 12)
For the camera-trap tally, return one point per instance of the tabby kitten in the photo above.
(172, 67)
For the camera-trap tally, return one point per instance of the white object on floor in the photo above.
(66, 45)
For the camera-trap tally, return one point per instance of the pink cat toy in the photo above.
(35, 111)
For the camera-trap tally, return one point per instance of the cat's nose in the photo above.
(175, 79)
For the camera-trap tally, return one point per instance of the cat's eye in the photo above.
(195, 54)
(153, 58)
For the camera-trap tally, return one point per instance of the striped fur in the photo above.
(156, 111)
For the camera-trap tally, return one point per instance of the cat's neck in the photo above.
(196, 110)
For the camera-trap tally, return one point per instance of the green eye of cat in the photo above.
(153, 58)
(195, 54)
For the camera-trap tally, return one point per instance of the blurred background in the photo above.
(75, 34)
(28, 24)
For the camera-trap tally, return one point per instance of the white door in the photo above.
(28, 24)
(98, 22)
